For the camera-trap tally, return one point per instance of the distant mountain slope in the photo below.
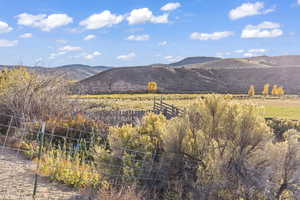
(70, 72)
(288, 60)
(221, 76)
(229, 63)
(194, 60)
(135, 79)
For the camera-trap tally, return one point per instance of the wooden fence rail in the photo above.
(170, 111)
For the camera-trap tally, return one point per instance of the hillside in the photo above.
(221, 76)
(70, 72)
(194, 60)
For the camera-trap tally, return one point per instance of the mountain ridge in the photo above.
(232, 75)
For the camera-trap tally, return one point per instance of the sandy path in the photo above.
(17, 180)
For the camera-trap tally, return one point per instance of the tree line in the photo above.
(275, 91)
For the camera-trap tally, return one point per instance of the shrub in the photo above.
(281, 126)
(212, 145)
(71, 170)
(217, 150)
(134, 152)
(28, 96)
(121, 194)
(71, 131)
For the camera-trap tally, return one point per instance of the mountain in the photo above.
(70, 72)
(219, 76)
(194, 60)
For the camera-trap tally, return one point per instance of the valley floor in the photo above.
(287, 107)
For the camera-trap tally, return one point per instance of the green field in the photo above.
(286, 107)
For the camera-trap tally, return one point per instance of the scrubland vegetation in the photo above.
(220, 148)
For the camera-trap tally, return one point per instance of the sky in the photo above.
(141, 32)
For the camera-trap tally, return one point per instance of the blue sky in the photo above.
(140, 32)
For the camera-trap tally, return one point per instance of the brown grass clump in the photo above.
(123, 194)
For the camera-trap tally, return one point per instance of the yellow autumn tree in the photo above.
(251, 91)
(280, 91)
(152, 87)
(275, 90)
(266, 89)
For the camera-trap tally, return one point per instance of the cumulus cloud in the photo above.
(43, 21)
(69, 48)
(89, 37)
(143, 15)
(4, 27)
(170, 6)
(249, 9)
(26, 35)
(257, 50)
(101, 20)
(264, 30)
(139, 37)
(127, 57)
(163, 43)
(299, 2)
(8, 43)
(210, 36)
(92, 55)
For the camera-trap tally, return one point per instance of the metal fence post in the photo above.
(41, 135)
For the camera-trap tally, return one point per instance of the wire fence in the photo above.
(24, 147)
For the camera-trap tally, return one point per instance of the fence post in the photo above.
(7, 132)
(41, 135)
(161, 105)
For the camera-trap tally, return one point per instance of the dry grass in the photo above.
(288, 107)
(123, 194)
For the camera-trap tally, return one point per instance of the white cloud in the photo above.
(263, 30)
(8, 43)
(239, 51)
(26, 35)
(249, 9)
(89, 37)
(210, 36)
(143, 15)
(249, 55)
(92, 55)
(127, 57)
(138, 37)
(100, 20)
(171, 6)
(54, 55)
(299, 2)
(4, 27)
(257, 50)
(44, 22)
(173, 58)
(69, 48)
(163, 43)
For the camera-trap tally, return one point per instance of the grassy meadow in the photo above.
(287, 107)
